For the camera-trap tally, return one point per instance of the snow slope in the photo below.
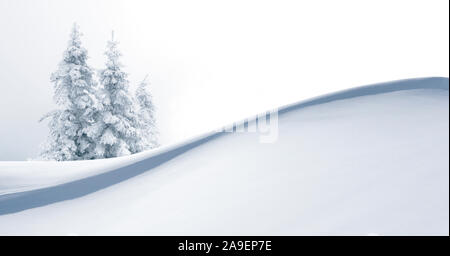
(372, 159)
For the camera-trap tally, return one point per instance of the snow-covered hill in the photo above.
(373, 159)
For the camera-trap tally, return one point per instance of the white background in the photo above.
(213, 62)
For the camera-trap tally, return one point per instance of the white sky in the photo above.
(214, 62)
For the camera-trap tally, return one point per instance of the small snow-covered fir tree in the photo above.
(119, 115)
(147, 126)
(73, 127)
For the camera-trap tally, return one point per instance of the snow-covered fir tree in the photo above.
(147, 126)
(73, 127)
(120, 122)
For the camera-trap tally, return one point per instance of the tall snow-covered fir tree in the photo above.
(120, 134)
(73, 127)
(147, 126)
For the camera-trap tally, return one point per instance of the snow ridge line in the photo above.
(19, 201)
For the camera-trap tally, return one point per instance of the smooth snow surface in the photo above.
(369, 160)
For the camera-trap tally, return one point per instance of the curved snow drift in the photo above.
(369, 159)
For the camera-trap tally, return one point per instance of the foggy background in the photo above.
(214, 62)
